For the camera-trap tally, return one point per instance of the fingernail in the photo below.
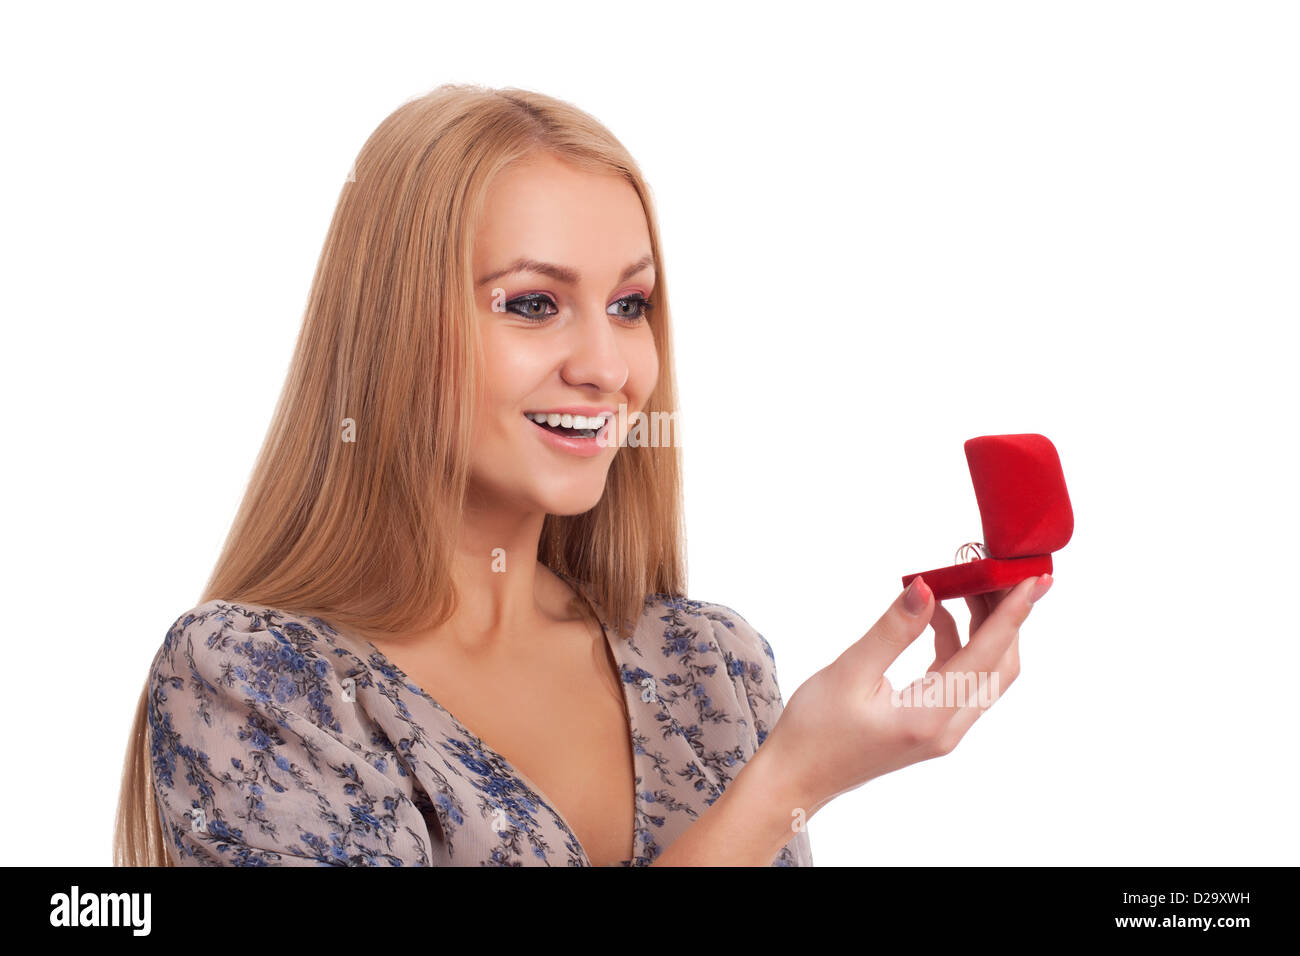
(1042, 586)
(916, 596)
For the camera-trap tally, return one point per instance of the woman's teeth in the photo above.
(579, 426)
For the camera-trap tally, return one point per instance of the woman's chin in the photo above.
(571, 501)
(571, 506)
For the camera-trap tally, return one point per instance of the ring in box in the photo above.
(1025, 511)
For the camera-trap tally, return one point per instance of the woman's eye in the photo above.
(537, 307)
(532, 307)
(632, 307)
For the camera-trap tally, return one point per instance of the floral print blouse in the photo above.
(277, 740)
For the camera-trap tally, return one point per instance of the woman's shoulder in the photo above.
(733, 632)
(220, 625)
(263, 749)
(745, 654)
(269, 650)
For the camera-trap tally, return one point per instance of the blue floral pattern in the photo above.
(277, 740)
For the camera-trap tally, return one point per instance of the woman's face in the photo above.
(561, 265)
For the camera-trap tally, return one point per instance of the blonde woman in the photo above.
(449, 624)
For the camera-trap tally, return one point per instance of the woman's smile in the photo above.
(574, 439)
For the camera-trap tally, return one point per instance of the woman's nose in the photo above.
(595, 356)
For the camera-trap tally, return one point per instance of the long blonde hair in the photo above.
(361, 533)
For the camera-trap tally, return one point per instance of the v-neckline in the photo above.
(580, 588)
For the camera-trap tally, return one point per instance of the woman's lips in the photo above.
(581, 447)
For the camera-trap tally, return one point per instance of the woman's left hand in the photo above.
(946, 639)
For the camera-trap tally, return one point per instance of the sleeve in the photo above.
(752, 665)
(256, 755)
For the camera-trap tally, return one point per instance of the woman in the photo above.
(448, 626)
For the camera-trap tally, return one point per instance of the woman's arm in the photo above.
(845, 726)
(747, 825)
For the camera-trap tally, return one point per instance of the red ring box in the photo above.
(1025, 511)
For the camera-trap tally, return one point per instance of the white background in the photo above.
(889, 228)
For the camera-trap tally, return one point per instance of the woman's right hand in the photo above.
(844, 725)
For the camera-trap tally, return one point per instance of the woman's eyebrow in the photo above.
(560, 273)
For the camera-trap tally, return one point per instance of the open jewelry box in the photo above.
(1025, 511)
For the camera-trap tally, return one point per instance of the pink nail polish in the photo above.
(1040, 588)
(916, 596)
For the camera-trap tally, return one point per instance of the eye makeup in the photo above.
(538, 306)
